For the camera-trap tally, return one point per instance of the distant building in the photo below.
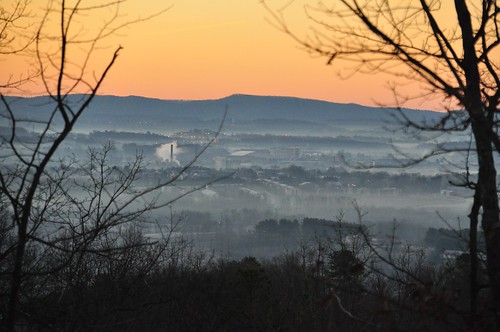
(451, 255)
(308, 186)
(288, 153)
(242, 158)
(280, 188)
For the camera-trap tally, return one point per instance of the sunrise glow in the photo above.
(212, 49)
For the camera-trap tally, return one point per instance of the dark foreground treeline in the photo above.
(323, 286)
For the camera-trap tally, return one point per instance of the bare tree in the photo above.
(12, 17)
(14, 21)
(65, 208)
(449, 49)
(24, 164)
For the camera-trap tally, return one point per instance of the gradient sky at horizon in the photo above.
(212, 49)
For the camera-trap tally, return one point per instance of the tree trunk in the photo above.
(483, 136)
(490, 217)
(16, 281)
(474, 222)
(490, 225)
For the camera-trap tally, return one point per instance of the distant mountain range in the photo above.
(246, 113)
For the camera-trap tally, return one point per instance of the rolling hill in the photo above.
(250, 114)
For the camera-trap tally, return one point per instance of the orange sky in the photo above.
(211, 49)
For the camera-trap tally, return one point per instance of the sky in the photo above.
(201, 49)
(212, 49)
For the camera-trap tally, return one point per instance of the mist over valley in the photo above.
(275, 158)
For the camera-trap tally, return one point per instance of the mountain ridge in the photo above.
(246, 112)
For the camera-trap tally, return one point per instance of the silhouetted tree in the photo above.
(450, 50)
(345, 269)
(64, 217)
(14, 20)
